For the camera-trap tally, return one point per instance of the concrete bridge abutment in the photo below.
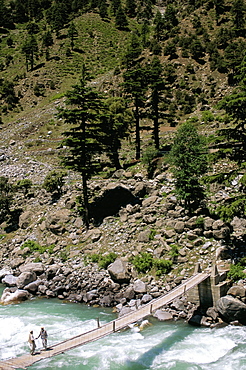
(211, 289)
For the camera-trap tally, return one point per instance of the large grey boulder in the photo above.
(231, 309)
(163, 315)
(36, 267)
(139, 286)
(14, 297)
(119, 271)
(9, 280)
(238, 292)
(5, 271)
(57, 221)
(25, 278)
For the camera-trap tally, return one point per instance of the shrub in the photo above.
(162, 266)
(35, 247)
(143, 262)
(103, 260)
(54, 181)
(207, 116)
(200, 222)
(106, 260)
(235, 207)
(64, 256)
(149, 156)
(236, 272)
(152, 234)
(174, 252)
(23, 185)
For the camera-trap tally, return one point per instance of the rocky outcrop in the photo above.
(232, 307)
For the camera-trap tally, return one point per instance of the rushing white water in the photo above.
(159, 346)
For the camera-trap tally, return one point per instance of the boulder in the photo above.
(129, 293)
(4, 272)
(25, 278)
(11, 297)
(14, 263)
(144, 236)
(119, 272)
(163, 315)
(9, 280)
(179, 227)
(139, 286)
(33, 286)
(56, 222)
(237, 291)
(25, 219)
(36, 267)
(231, 309)
(146, 298)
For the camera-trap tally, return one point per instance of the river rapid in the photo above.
(161, 345)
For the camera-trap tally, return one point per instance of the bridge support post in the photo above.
(98, 322)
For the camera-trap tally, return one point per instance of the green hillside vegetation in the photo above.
(168, 62)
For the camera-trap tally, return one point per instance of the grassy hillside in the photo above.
(199, 44)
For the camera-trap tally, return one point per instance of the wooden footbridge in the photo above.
(22, 362)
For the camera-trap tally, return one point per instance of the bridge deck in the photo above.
(22, 362)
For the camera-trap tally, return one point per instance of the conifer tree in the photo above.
(121, 19)
(135, 83)
(5, 198)
(188, 163)
(72, 33)
(85, 112)
(30, 50)
(103, 9)
(118, 118)
(235, 132)
(47, 42)
(238, 11)
(157, 85)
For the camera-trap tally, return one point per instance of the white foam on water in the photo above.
(201, 347)
(160, 346)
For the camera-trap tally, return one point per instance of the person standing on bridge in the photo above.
(43, 335)
(31, 342)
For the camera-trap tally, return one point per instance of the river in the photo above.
(162, 345)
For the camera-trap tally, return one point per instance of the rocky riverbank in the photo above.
(118, 287)
(131, 215)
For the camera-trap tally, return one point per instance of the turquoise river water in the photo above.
(162, 345)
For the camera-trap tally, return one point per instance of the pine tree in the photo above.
(188, 163)
(5, 198)
(157, 85)
(30, 50)
(135, 85)
(238, 11)
(130, 8)
(47, 42)
(235, 132)
(121, 19)
(85, 113)
(103, 9)
(72, 33)
(116, 126)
